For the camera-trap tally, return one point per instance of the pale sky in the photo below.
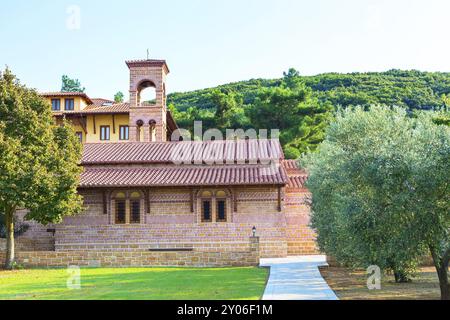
(211, 42)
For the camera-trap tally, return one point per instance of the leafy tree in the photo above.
(277, 108)
(38, 160)
(446, 100)
(442, 116)
(292, 79)
(71, 85)
(310, 131)
(229, 110)
(187, 118)
(290, 108)
(380, 191)
(118, 97)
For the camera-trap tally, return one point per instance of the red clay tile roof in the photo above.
(219, 152)
(67, 94)
(297, 182)
(296, 175)
(100, 101)
(290, 164)
(183, 175)
(96, 109)
(114, 108)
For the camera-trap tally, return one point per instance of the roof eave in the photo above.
(95, 186)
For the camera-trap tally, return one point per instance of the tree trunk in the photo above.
(401, 277)
(10, 252)
(443, 282)
(441, 265)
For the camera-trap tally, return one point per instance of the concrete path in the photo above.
(296, 278)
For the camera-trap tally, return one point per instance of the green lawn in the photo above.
(136, 283)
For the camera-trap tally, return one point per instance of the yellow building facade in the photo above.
(104, 121)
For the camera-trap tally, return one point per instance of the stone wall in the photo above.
(203, 237)
(126, 258)
(29, 244)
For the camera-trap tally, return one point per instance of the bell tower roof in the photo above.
(148, 63)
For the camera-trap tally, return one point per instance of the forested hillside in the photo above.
(301, 106)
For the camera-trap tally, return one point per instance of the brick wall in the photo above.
(29, 244)
(204, 237)
(171, 223)
(301, 239)
(36, 238)
(124, 258)
(157, 75)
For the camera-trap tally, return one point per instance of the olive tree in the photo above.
(380, 192)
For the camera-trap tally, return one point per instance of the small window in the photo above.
(206, 211)
(69, 104)
(104, 132)
(135, 211)
(80, 136)
(123, 133)
(56, 104)
(120, 211)
(221, 210)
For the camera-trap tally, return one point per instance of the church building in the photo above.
(143, 206)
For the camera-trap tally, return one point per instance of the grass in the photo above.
(136, 284)
(351, 285)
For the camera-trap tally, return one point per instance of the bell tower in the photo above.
(148, 121)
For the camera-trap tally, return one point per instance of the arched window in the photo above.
(221, 206)
(152, 130)
(120, 205)
(214, 205)
(135, 207)
(146, 93)
(139, 125)
(206, 201)
(127, 207)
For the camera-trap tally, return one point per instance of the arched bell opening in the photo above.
(146, 93)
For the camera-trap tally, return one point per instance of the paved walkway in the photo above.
(296, 278)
